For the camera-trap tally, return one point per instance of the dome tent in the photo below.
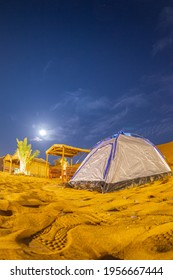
(119, 161)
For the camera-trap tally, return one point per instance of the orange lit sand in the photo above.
(40, 219)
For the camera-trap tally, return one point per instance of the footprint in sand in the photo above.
(54, 238)
(161, 242)
(157, 241)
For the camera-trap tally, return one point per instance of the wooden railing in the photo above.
(71, 170)
(55, 171)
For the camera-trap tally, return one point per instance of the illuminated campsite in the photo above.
(86, 132)
(42, 218)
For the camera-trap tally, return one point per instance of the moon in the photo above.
(42, 132)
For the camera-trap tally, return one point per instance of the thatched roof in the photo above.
(41, 160)
(67, 151)
(15, 157)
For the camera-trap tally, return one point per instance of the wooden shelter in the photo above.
(38, 166)
(11, 163)
(63, 151)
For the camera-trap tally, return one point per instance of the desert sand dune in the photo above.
(41, 219)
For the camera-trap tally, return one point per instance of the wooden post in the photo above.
(10, 171)
(4, 165)
(62, 164)
(47, 175)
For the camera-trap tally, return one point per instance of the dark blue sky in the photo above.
(85, 69)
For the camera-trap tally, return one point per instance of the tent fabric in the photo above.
(119, 161)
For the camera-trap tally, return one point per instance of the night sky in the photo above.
(83, 70)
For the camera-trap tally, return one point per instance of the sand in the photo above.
(41, 219)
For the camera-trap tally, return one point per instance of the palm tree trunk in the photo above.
(22, 167)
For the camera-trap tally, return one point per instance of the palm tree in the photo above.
(25, 154)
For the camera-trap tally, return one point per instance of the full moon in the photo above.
(42, 132)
